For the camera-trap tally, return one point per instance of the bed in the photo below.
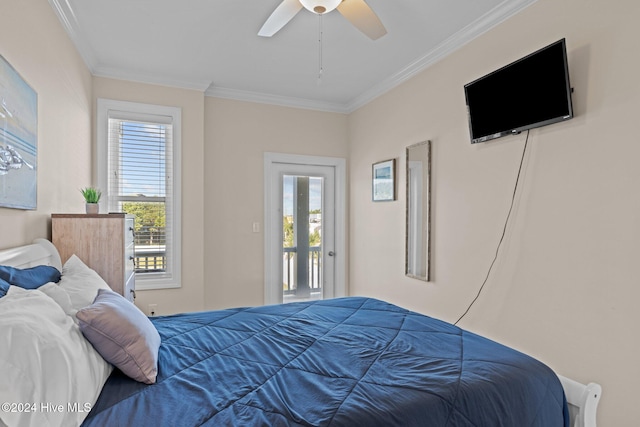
(342, 362)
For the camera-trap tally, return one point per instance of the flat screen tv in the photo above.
(531, 92)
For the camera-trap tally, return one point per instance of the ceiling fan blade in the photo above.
(362, 17)
(279, 18)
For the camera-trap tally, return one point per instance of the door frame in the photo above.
(272, 259)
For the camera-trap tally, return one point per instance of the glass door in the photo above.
(302, 237)
(299, 242)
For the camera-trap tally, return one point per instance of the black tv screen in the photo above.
(531, 92)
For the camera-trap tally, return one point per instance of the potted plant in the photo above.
(91, 197)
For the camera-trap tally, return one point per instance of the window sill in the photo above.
(155, 284)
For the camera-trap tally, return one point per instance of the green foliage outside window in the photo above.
(287, 228)
(150, 221)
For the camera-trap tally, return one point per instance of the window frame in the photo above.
(138, 111)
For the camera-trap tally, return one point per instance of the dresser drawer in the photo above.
(130, 288)
(129, 232)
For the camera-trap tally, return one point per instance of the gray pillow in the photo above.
(122, 334)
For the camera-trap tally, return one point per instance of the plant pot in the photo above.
(92, 208)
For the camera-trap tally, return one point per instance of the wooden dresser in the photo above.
(104, 242)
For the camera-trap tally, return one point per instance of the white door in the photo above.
(304, 228)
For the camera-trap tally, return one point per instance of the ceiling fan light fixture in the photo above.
(320, 7)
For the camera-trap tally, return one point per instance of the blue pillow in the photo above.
(29, 278)
(4, 288)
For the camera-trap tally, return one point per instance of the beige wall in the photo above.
(565, 286)
(237, 134)
(223, 143)
(34, 43)
(190, 296)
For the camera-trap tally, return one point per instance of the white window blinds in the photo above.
(141, 180)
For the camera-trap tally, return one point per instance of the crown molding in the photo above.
(149, 78)
(284, 101)
(67, 17)
(497, 15)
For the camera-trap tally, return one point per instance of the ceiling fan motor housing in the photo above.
(357, 12)
(320, 6)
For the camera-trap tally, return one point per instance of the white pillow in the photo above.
(45, 360)
(80, 282)
(60, 296)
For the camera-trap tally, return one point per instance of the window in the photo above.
(138, 172)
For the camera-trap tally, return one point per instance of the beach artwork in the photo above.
(384, 186)
(18, 140)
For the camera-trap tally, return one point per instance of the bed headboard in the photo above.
(41, 252)
(583, 401)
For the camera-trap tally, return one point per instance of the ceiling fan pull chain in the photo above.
(320, 69)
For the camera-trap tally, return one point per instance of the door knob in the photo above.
(331, 253)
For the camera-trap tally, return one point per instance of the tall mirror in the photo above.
(417, 251)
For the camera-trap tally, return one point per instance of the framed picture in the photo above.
(18, 140)
(384, 181)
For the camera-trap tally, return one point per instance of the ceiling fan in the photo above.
(356, 11)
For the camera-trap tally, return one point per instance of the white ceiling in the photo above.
(213, 46)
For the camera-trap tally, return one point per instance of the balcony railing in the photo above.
(289, 258)
(150, 259)
(153, 259)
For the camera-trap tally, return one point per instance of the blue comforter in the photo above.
(340, 362)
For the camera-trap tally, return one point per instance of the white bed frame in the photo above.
(41, 252)
(583, 399)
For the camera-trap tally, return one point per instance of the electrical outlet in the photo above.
(153, 309)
